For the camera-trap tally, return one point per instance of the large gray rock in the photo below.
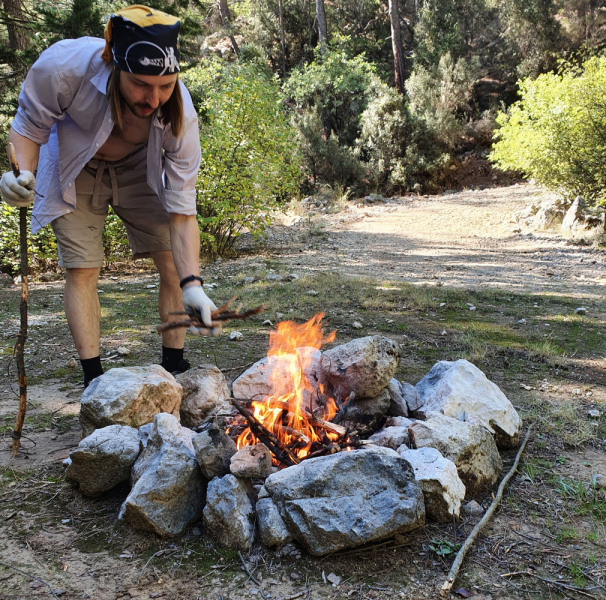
(363, 366)
(365, 414)
(229, 512)
(397, 405)
(273, 375)
(393, 437)
(347, 499)
(129, 396)
(272, 529)
(104, 459)
(204, 393)
(573, 216)
(214, 449)
(409, 393)
(460, 390)
(470, 446)
(252, 462)
(442, 487)
(168, 489)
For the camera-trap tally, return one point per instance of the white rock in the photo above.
(580, 311)
(168, 488)
(123, 351)
(357, 325)
(267, 322)
(442, 487)
(460, 390)
(71, 363)
(204, 392)
(363, 366)
(409, 392)
(271, 526)
(473, 508)
(129, 396)
(392, 437)
(398, 406)
(599, 481)
(468, 445)
(236, 335)
(522, 322)
(229, 512)
(312, 293)
(594, 414)
(104, 459)
(214, 449)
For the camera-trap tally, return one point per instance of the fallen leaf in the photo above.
(334, 579)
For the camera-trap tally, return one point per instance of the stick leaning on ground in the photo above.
(22, 337)
(456, 565)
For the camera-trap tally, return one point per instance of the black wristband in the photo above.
(190, 278)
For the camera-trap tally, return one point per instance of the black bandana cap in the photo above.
(143, 41)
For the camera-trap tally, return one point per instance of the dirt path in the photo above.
(455, 244)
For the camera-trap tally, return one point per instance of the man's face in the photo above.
(143, 94)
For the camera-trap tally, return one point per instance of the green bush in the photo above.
(250, 164)
(402, 153)
(556, 133)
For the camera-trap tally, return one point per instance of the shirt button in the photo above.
(69, 184)
(67, 212)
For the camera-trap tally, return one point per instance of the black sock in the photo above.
(172, 360)
(92, 368)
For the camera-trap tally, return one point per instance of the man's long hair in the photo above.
(171, 113)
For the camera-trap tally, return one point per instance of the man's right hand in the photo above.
(18, 191)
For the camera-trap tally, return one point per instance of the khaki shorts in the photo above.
(123, 185)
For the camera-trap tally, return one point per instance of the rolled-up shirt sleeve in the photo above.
(181, 165)
(43, 100)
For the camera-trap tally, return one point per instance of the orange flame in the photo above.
(286, 412)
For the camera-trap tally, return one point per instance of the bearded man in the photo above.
(111, 124)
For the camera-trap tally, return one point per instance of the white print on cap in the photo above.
(163, 60)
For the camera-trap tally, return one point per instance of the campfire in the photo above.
(297, 420)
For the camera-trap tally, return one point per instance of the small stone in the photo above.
(151, 286)
(599, 481)
(334, 579)
(472, 308)
(356, 325)
(295, 576)
(580, 311)
(251, 461)
(267, 322)
(473, 508)
(71, 363)
(249, 280)
(123, 351)
(522, 322)
(279, 315)
(442, 304)
(236, 336)
(53, 437)
(594, 414)
(516, 230)
(195, 531)
(443, 332)
(312, 293)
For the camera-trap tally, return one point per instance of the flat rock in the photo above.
(272, 529)
(104, 459)
(229, 512)
(129, 396)
(204, 392)
(363, 366)
(168, 488)
(397, 405)
(460, 390)
(214, 449)
(392, 437)
(470, 446)
(251, 461)
(442, 488)
(275, 375)
(366, 414)
(347, 499)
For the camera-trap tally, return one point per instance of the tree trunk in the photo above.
(282, 37)
(322, 29)
(396, 43)
(17, 39)
(225, 22)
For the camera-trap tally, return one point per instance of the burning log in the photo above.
(278, 449)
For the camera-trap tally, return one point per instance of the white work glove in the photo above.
(198, 304)
(18, 191)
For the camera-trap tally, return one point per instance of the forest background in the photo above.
(355, 96)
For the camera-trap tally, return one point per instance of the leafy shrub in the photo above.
(442, 94)
(401, 151)
(250, 163)
(556, 133)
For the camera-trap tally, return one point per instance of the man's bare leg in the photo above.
(83, 313)
(170, 300)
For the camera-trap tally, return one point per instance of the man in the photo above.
(111, 123)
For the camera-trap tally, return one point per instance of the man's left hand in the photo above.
(198, 305)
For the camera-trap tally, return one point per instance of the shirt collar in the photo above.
(100, 79)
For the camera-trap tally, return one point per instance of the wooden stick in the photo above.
(456, 565)
(219, 317)
(281, 452)
(32, 576)
(22, 337)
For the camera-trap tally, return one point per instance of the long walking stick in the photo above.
(22, 337)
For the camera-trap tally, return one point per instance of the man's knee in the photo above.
(82, 276)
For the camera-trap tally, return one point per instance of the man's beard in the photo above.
(138, 108)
